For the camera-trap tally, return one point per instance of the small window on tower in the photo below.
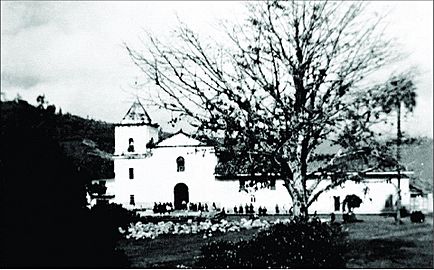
(131, 145)
(132, 202)
(131, 173)
(180, 164)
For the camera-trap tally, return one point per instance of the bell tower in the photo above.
(135, 132)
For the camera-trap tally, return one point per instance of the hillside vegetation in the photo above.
(419, 158)
(87, 143)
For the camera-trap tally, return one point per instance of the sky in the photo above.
(73, 52)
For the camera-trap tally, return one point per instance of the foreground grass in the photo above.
(379, 243)
(172, 251)
(374, 243)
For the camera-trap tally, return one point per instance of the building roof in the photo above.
(367, 175)
(179, 139)
(136, 115)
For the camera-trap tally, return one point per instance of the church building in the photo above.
(180, 169)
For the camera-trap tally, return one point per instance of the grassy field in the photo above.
(374, 243)
(379, 243)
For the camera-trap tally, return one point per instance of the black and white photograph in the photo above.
(216, 134)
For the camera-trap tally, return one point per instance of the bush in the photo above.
(113, 215)
(103, 233)
(351, 201)
(417, 217)
(298, 244)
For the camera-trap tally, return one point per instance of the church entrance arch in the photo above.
(181, 194)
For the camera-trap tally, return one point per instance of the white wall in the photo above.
(430, 203)
(373, 201)
(155, 177)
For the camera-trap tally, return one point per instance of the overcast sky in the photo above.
(72, 51)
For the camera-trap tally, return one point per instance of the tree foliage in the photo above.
(399, 90)
(290, 78)
(45, 221)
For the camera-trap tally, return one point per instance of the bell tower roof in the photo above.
(136, 115)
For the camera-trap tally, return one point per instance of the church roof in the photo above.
(137, 115)
(179, 139)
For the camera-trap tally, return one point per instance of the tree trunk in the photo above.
(295, 188)
(296, 185)
(398, 157)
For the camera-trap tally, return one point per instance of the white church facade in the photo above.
(179, 168)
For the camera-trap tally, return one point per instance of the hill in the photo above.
(418, 157)
(87, 143)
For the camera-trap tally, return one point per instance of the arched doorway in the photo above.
(181, 194)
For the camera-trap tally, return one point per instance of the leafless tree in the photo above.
(292, 77)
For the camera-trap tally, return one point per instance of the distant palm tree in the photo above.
(399, 90)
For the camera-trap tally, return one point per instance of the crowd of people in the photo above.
(248, 209)
(261, 210)
(203, 207)
(163, 208)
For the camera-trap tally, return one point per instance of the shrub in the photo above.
(417, 217)
(103, 234)
(113, 215)
(351, 201)
(298, 244)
